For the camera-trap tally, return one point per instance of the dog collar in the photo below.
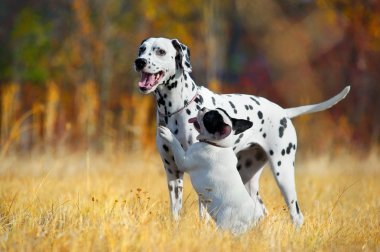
(205, 141)
(179, 110)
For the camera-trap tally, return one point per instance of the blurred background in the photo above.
(67, 79)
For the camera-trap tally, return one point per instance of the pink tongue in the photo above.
(147, 80)
(192, 120)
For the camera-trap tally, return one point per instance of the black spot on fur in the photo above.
(167, 162)
(176, 192)
(161, 101)
(172, 85)
(260, 115)
(264, 135)
(289, 148)
(278, 174)
(271, 152)
(188, 111)
(213, 101)
(232, 105)
(281, 131)
(238, 167)
(200, 98)
(279, 163)
(176, 132)
(297, 208)
(283, 152)
(253, 99)
(284, 124)
(166, 148)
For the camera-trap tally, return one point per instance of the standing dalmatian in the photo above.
(165, 70)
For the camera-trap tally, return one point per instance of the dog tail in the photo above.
(297, 111)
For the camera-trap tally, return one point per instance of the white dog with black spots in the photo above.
(212, 169)
(165, 69)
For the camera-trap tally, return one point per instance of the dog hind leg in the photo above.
(281, 159)
(250, 165)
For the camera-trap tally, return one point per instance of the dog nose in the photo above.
(140, 63)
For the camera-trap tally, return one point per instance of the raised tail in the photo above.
(297, 111)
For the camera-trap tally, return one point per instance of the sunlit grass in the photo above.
(119, 202)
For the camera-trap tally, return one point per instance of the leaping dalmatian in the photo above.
(165, 70)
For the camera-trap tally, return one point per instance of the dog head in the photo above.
(160, 60)
(217, 127)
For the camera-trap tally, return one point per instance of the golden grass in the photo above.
(119, 202)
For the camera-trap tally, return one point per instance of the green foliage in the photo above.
(30, 47)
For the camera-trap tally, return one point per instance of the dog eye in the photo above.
(142, 49)
(161, 52)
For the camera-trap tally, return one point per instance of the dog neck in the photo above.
(208, 142)
(175, 94)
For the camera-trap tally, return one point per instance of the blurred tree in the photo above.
(290, 51)
(355, 60)
(30, 48)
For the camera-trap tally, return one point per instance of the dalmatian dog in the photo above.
(212, 169)
(165, 70)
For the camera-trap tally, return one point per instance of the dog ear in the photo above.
(183, 56)
(142, 42)
(240, 125)
(224, 132)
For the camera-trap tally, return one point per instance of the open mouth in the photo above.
(149, 80)
(194, 121)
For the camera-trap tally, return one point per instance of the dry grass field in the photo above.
(118, 202)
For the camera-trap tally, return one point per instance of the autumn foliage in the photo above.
(67, 78)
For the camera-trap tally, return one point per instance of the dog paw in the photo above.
(165, 133)
(298, 220)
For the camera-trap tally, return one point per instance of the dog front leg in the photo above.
(175, 182)
(175, 186)
(173, 175)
